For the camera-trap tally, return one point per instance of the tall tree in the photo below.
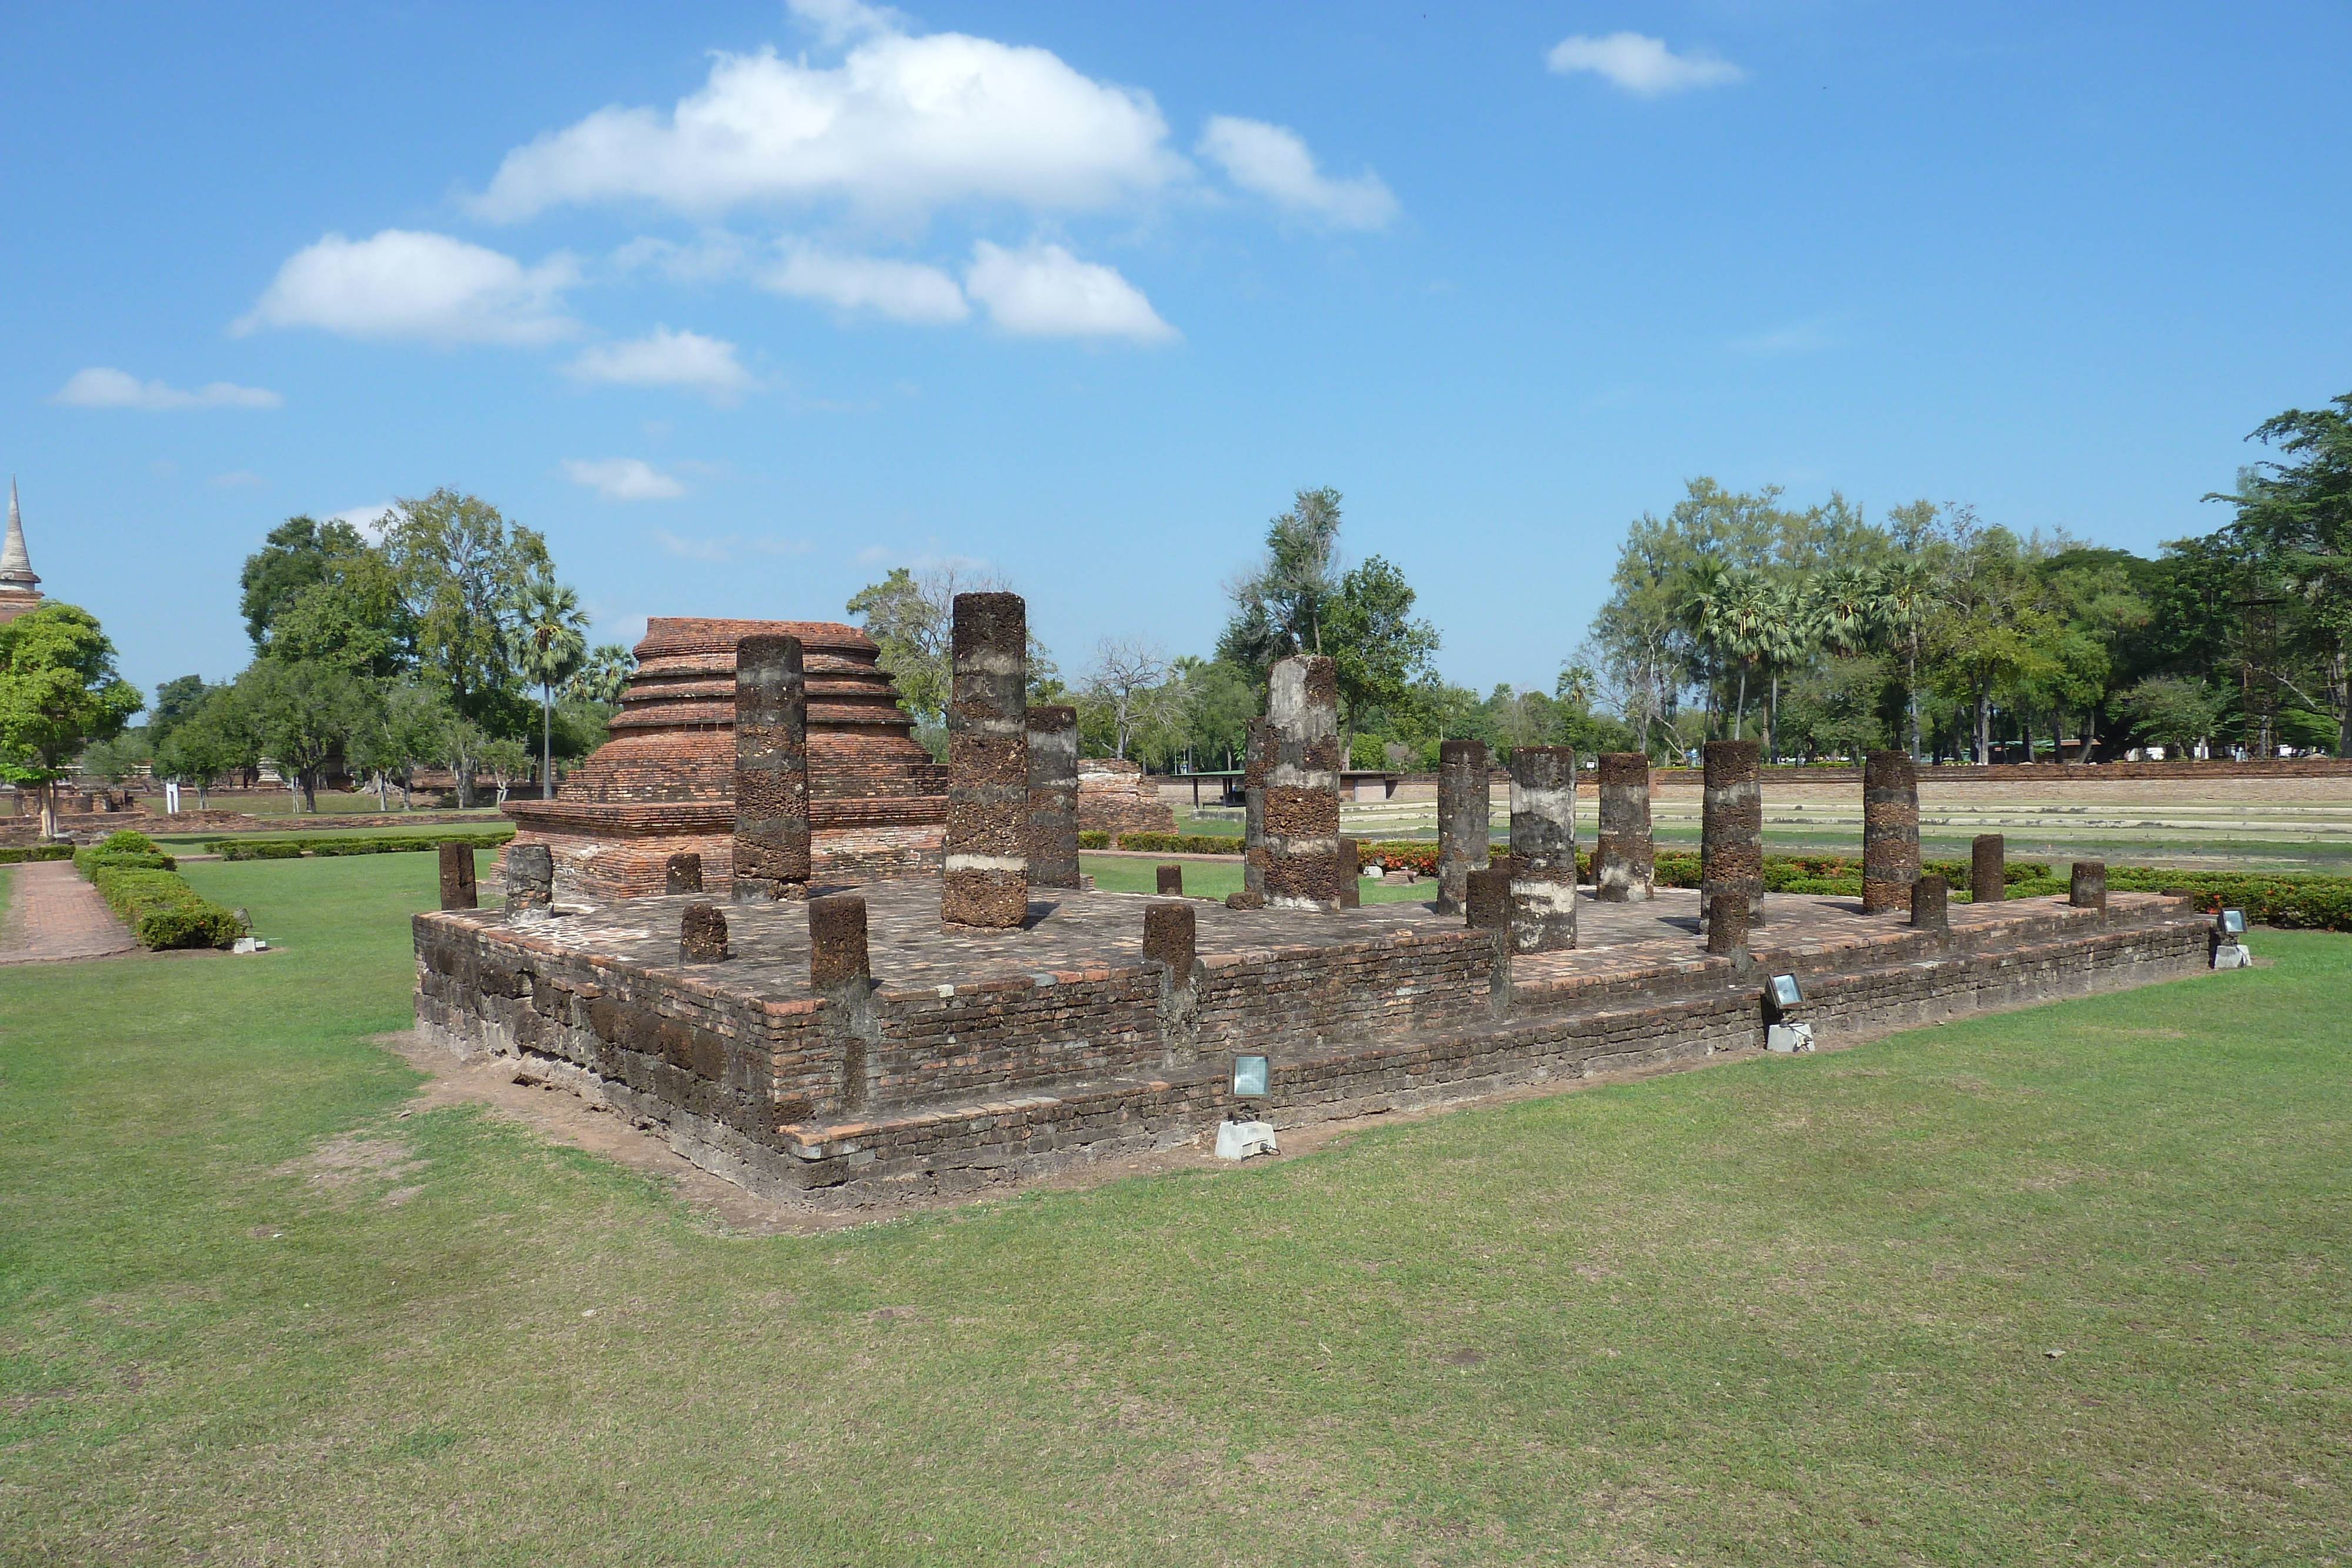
(2299, 514)
(549, 638)
(1380, 653)
(298, 552)
(353, 617)
(1280, 606)
(58, 693)
(1129, 686)
(603, 676)
(301, 715)
(462, 568)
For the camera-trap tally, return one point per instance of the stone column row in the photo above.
(1624, 857)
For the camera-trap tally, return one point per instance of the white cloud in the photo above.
(902, 290)
(729, 548)
(1044, 291)
(406, 284)
(1274, 162)
(838, 21)
(369, 520)
(1642, 65)
(99, 387)
(901, 126)
(625, 479)
(666, 359)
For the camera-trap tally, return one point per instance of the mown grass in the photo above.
(1795, 1310)
(1214, 879)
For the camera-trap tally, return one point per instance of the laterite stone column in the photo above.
(682, 874)
(1987, 869)
(1302, 785)
(1053, 797)
(702, 935)
(1169, 881)
(1931, 905)
(530, 883)
(1487, 899)
(986, 879)
(2087, 889)
(1257, 752)
(1350, 884)
(1731, 832)
(772, 820)
(1890, 832)
(843, 977)
(457, 876)
(1465, 820)
(1543, 848)
(1624, 858)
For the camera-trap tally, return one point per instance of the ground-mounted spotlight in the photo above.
(2230, 950)
(1243, 1134)
(1783, 1032)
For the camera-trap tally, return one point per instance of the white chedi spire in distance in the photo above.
(15, 566)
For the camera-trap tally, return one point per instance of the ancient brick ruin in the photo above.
(665, 783)
(900, 1035)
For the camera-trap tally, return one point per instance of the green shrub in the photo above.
(1093, 839)
(1183, 844)
(160, 908)
(289, 849)
(153, 859)
(126, 843)
(198, 926)
(36, 852)
(280, 850)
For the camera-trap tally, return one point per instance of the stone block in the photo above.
(530, 883)
(1930, 905)
(1350, 881)
(702, 935)
(1169, 880)
(682, 872)
(2087, 888)
(457, 876)
(1987, 869)
(837, 940)
(1169, 934)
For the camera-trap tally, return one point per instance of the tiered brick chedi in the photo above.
(1543, 849)
(1465, 820)
(772, 826)
(1890, 831)
(1302, 785)
(987, 872)
(1624, 857)
(1731, 829)
(1053, 797)
(665, 783)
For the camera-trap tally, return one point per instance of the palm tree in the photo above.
(1707, 586)
(1788, 640)
(549, 643)
(1907, 595)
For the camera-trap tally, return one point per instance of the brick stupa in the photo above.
(664, 782)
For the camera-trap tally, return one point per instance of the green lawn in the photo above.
(1216, 878)
(1795, 1310)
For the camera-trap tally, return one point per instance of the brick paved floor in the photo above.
(1077, 931)
(53, 914)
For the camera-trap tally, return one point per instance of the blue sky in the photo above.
(741, 304)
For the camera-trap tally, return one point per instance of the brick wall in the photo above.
(984, 1081)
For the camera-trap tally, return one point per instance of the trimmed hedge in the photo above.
(1093, 839)
(293, 849)
(2314, 899)
(162, 910)
(125, 841)
(124, 860)
(36, 852)
(1183, 844)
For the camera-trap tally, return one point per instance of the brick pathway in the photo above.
(53, 914)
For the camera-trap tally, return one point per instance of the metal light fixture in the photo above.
(1785, 993)
(1249, 1077)
(2233, 923)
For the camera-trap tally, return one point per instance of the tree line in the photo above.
(445, 645)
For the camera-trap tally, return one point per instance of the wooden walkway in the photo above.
(52, 915)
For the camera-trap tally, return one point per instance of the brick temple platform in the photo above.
(978, 1057)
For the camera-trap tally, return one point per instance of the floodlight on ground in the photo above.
(1785, 992)
(2233, 922)
(1249, 1077)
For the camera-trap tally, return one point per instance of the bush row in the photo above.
(293, 849)
(36, 852)
(159, 907)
